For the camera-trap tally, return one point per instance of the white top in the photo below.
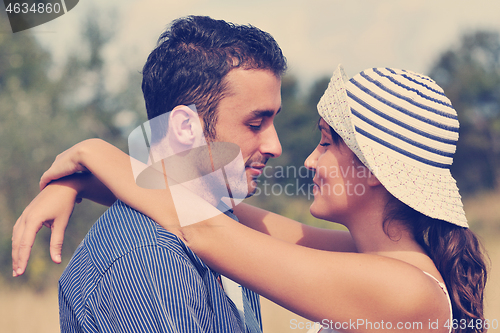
(443, 287)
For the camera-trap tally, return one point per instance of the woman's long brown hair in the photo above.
(459, 257)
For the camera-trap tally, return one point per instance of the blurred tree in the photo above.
(27, 119)
(40, 116)
(297, 130)
(295, 125)
(470, 77)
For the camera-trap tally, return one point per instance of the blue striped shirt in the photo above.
(131, 275)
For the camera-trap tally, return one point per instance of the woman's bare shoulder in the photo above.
(403, 293)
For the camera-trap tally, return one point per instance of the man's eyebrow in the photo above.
(264, 113)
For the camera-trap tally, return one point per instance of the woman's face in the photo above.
(340, 178)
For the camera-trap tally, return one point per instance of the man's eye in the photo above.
(255, 127)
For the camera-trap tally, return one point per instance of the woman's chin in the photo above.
(317, 212)
(326, 213)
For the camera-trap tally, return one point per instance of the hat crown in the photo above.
(406, 114)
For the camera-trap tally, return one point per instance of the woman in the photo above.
(382, 170)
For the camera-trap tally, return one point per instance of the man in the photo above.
(131, 275)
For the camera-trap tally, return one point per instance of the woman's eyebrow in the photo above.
(321, 127)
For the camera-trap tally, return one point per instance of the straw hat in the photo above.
(404, 129)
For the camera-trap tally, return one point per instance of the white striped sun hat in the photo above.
(404, 129)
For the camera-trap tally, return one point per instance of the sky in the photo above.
(315, 35)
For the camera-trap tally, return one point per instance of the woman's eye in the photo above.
(324, 144)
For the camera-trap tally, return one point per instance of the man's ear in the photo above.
(184, 125)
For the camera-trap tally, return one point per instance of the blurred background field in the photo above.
(56, 90)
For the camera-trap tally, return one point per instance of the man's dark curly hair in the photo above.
(191, 60)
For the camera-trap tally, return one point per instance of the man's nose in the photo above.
(271, 143)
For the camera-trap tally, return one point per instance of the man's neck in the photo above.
(201, 189)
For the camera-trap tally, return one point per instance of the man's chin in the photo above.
(250, 194)
(243, 191)
(252, 187)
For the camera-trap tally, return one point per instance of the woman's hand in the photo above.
(67, 181)
(52, 208)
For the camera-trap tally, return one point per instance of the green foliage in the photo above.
(470, 77)
(41, 116)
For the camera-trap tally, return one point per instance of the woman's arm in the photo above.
(318, 285)
(61, 187)
(113, 168)
(112, 174)
(292, 231)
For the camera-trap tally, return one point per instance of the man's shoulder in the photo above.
(123, 224)
(128, 240)
(122, 229)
